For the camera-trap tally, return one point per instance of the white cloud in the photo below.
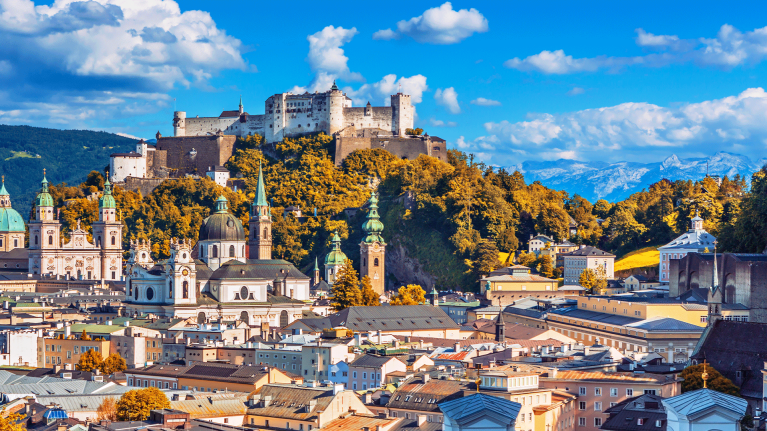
(387, 34)
(449, 99)
(641, 131)
(75, 55)
(439, 25)
(380, 91)
(730, 48)
(481, 101)
(576, 91)
(327, 60)
(440, 123)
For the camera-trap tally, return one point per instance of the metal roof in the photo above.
(666, 324)
(372, 361)
(693, 402)
(467, 408)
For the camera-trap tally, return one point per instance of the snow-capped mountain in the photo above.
(616, 181)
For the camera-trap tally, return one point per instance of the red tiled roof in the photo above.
(597, 375)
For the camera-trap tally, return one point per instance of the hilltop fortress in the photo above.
(201, 145)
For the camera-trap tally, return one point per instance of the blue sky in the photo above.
(508, 81)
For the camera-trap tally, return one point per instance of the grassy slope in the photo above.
(642, 258)
(68, 156)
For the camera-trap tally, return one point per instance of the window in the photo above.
(582, 405)
(597, 422)
(215, 251)
(613, 392)
(629, 392)
(375, 262)
(354, 374)
(581, 422)
(364, 375)
(598, 392)
(649, 391)
(50, 239)
(597, 406)
(581, 391)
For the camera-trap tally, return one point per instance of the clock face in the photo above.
(185, 272)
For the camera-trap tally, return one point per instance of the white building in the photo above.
(19, 348)
(219, 175)
(704, 410)
(288, 114)
(132, 164)
(587, 257)
(695, 240)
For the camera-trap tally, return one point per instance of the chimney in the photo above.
(67, 331)
(421, 420)
(457, 347)
(109, 322)
(367, 398)
(56, 368)
(426, 377)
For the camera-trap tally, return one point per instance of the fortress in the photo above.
(201, 145)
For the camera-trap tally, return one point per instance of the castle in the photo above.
(286, 115)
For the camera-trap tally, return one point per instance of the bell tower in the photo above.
(107, 234)
(373, 248)
(44, 233)
(260, 236)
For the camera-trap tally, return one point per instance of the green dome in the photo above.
(373, 226)
(222, 225)
(336, 256)
(44, 199)
(11, 221)
(107, 200)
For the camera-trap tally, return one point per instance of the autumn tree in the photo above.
(485, 258)
(693, 380)
(12, 422)
(107, 410)
(90, 361)
(136, 404)
(84, 336)
(346, 288)
(368, 295)
(545, 267)
(600, 281)
(114, 363)
(416, 131)
(412, 294)
(588, 279)
(527, 259)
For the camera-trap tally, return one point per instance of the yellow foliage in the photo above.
(642, 258)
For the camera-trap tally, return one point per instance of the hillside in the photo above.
(67, 155)
(642, 258)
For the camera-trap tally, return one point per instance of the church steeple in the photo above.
(373, 247)
(260, 238)
(500, 325)
(714, 295)
(5, 197)
(241, 108)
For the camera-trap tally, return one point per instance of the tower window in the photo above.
(215, 251)
(186, 289)
(50, 239)
(113, 240)
(266, 233)
(15, 243)
(37, 241)
(231, 251)
(375, 262)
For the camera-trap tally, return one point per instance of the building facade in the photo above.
(78, 257)
(695, 240)
(588, 257)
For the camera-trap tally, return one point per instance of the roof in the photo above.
(213, 405)
(392, 318)
(11, 220)
(91, 329)
(222, 226)
(699, 400)
(666, 324)
(416, 395)
(229, 114)
(358, 423)
(692, 239)
(601, 376)
(519, 277)
(589, 251)
(626, 414)
(291, 401)
(467, 408)
(371, 361)
(263, 269)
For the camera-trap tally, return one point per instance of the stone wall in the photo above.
(143, 185)
(351, 139)
(193, 154)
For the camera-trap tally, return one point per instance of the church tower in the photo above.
(335, 260)
(12, 228)
(44, 232)
(260, 237)
(715, 296)
(181, 287)
(107, 233)
(373, 248)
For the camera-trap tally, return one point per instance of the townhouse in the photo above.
(370, 371)
(207, 377)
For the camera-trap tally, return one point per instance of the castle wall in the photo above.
(120, 167)
(378, 118)
(405, 147)
(194, 154)
(208, 125)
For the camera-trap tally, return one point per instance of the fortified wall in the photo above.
(407, 147)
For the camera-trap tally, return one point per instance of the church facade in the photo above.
(287, 114)
(76, 256)
(215, 278)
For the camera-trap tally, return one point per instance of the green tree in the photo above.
(368, 295)
(346, 289)
(485, 259)
(588, 279)
(114, 363)
(90, 361)
(693, 380)
(412, 294)
(136, 404)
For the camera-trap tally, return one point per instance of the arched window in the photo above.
(215, 251)
(98, 241)
(113, 240)
(231, 251)
(375, 262)
(186, 289)
(266, 233)
(37, 241)
(50, 239)
(170, 289)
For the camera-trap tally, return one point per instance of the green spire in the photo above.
(44, 199)
(240, 100)
(373, 226)
(260, 192)
(336, 256)
(334, 87)
(222, 205)
(3, 191)
(316, 268)
(107, 200)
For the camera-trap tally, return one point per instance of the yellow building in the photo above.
(67, 352)
(516, 278)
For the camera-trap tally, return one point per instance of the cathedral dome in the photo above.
(11, 221)
(107, 200)
(44, 199)
(222, 225)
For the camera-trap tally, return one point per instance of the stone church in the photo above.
(76, 257)
(227, 275)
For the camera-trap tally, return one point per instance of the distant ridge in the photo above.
(617, 181)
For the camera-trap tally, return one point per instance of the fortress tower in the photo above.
(402, 113)
(336, 99)
(373, 248)
(179, 123)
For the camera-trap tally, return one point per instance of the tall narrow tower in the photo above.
(715, 295)
(44, 232)
(107, 233)
(373, 248)
(260, 237)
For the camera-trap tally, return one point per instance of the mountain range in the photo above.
(617, 181)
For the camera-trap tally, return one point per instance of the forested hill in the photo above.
(67, 155)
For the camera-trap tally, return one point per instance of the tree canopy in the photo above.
(693, 380)
(136, 404)
(346, 288)
(412, 294)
